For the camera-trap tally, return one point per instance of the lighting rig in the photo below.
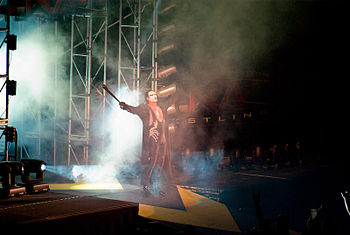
(32, 172)
(10, 168)
(34, 184)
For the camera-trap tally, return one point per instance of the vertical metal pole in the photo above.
(70, 93)
(39, 111)
(155, 47)
(134, 71)
(105, 74)
(138, 53)
(7, 79)
(120, 44)
(55, 97)
(88, 88)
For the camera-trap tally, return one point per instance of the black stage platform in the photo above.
(291, 191)
(59, 213)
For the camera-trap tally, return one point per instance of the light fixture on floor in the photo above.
(8, 172)
(37, 167)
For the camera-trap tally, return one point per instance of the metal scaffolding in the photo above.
(30, 129)
(5, 77)
(136, 69)
(140, 63)
(137, 45)
(85, 29)
(137, 66)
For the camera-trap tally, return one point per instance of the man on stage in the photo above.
(155, 159)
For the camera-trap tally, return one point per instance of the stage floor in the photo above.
(218, 202)
(61, 213)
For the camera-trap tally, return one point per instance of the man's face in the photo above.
(152, 97)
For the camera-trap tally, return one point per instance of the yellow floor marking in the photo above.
(200, 211)
(87, 186)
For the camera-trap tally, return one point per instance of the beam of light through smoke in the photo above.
(122, 151)
(32, 66)
(217, 39)
(124, 136)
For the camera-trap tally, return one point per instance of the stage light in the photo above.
(12, 42)
(11, 134)
(43, 167)
(166, 29)
(167, 90)
(166, 49)
(166, 71)
(11, 87)
(171, 128)
(167, 9)
(37, 167)
(171, 110)
(8, 172)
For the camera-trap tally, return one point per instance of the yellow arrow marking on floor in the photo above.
(200, 211)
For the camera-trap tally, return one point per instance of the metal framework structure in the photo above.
(132, 71)
(30, 132)
(85, 30)
(5, 77)
(137, 49)
(136, 68)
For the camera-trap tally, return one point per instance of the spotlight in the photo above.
(167, 9)
(11, 134)
(8, 172)
(167, 90)
(12, 42)
(166, 49)
(171, 128)
(43, 167)
(171, 110)
(166, 29)
(166, 71)
(37, 167)
(11, 87)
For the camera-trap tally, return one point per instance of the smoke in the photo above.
(33, 67)
(37, 66)
(226, 38)
(40, 68)
(201, 164)
(214, 39)
(122, 138)
(124, 134)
